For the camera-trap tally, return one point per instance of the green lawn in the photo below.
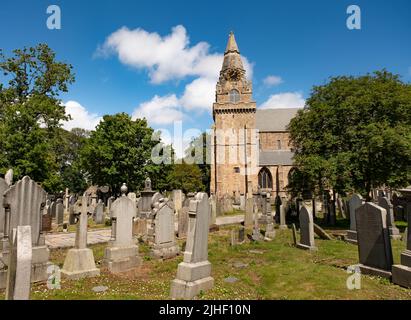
(276, 270)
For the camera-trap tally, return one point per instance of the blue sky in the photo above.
(160, 59)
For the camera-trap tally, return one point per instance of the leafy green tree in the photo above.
(355, 134)
(31, 113)
(186, 177)
(119, 151)
(199, 153)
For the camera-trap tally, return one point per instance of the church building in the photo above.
(250, 146)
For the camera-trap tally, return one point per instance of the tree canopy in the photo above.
(354, 135)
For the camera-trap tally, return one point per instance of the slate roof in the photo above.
(278, 157)
(269, 120)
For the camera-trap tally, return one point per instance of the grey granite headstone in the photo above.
(306, 230)
(122, 252)
(183, 222)
(20, 260)
(59, 211)
(355, 202)
(99, 217)
(24, 203)
(248, 218)
(165, 245)
(194, 273)
(385, 203)
(374, 245)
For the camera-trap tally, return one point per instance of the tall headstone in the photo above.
(46, 217)
(183, 223)
(194, 273)
(20, 259)
(53, 209)
(99, 217)
(248, 218)
(256, 236)
(24, 204)
(401, 273)
(283, 223)
(385, 203)
(66, 201)
(242, 202)
(79, 262)
(177, 200)
(306, 230)
(165, 245)
(9, 177)
(59, 212)
(144, 209)
(122, 252)
(374, 245)
(354, 203)
(3, 187)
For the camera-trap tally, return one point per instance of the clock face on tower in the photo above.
(233, 75)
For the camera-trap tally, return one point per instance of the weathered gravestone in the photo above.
(401, 274)
(183, 223)
(144, 205)
(248, 217)
(385, 203)
(46, 217)
(177, 197)
(374, 245)
(3, 187)
(354, 203)
(256, 236)
(242, 202)
(237, 236)
(213, 213)
(99, 216)
(283, 223)
(53, 209)
(194, 273)
(266, 208)
(122, 253)
(20, 259)
(59, 212)
(165, 245)
(24, 204)
(79, 262)
(306, 230)
(132, 196)
(9, 177)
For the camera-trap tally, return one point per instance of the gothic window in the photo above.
(234, 96)
(265, 179)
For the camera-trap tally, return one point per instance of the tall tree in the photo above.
(186, 177)
(119, 151)
(31, 112)
(355, 134)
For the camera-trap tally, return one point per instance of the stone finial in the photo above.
(123, 190)
(147, 184)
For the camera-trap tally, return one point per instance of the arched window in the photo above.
(234, 96)
(265, 179)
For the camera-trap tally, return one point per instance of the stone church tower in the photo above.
(234, 114)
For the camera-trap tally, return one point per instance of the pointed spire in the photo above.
(232, 44)
(232, 57)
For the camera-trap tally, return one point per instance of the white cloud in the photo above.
(166, 58)
(284, 101)
(272, 81)
(160, 110)
(81, 118)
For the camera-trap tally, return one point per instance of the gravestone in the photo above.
(3, 187)
(46, 217)
(59, 212)
(248, 217)
(144, 209)
(79, 262)
(242, 202)
(354, 203)
(265, 207)
(283, 223)
(165, 245)
(194, 273)
(110, 203)
(140, 228)
(294, 233)
(374, 245)
(20, 260)
(183, 223)
(385, 203)
(99, 217)
(72, 216)
(8, 177)
(306, 230)
(24, 203)
(177, 200)
(401, 274)
(256, 236)
(53, 209)
(237, 236)
(122, 253)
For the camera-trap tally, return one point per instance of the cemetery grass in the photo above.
(266, 270)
